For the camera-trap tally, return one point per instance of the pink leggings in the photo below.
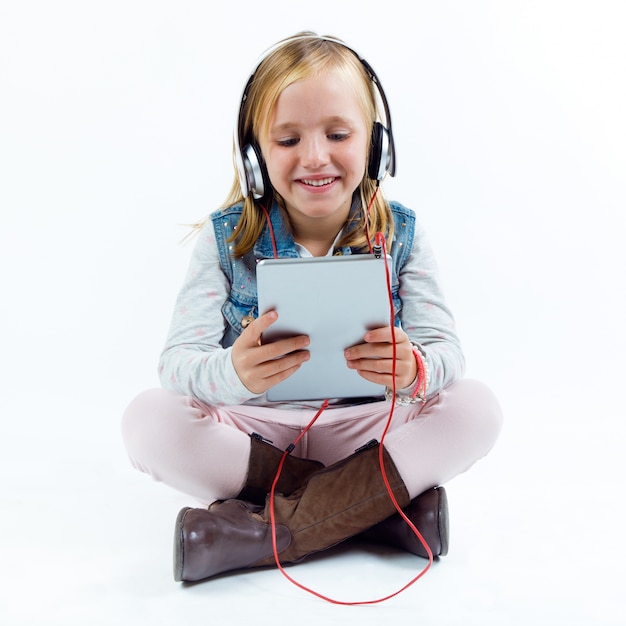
(203, 451)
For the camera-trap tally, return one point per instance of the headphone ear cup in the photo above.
(256, 175)
(380, 155)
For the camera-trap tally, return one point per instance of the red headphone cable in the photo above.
(269, 223)
(380, 241)
(367, 220)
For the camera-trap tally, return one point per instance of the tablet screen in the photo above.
(334, 300)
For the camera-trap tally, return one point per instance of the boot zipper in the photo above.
(370, 444)
(260, 438)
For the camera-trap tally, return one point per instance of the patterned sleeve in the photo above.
(426, 318)
(193, 361)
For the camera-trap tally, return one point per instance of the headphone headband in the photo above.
(248, 159)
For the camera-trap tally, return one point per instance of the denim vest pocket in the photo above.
(234, 311)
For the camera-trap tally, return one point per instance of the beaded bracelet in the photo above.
(421, 387)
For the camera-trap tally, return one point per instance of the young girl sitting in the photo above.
(312, 144)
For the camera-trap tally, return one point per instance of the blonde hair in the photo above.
(293, 59)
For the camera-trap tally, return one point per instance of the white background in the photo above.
(115, 132)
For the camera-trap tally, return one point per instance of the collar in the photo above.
(285, 244)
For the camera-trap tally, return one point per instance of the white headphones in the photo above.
(251, 170)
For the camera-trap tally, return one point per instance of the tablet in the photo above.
(334, 300)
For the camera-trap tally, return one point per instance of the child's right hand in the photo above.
(261, 366)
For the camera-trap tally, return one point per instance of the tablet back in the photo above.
(334, 300)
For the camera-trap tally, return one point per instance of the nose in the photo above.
(314, 152)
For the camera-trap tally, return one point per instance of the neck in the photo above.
(317, 235)
(317, 238)
(316, 247)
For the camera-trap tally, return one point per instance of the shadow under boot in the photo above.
(337, 502)
(429, 514)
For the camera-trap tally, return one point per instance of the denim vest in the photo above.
(241, 272)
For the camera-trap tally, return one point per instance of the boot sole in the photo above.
(443, 521)
(179, 546)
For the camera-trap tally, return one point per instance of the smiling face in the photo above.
(315, 150)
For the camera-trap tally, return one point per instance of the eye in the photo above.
(338, 136)
(287, 143)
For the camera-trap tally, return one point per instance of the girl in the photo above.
(310, 151)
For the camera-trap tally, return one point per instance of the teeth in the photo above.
(318, 183)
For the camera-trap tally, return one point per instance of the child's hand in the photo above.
(374, 359)
(260, 367)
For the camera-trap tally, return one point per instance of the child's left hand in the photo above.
(374, 359)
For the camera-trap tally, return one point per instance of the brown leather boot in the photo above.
(429, 514)
(336, 503)
(262, 466)
(225, 537)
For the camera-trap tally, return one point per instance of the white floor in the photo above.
(537, 538)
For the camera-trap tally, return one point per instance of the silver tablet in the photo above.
(334, 300)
